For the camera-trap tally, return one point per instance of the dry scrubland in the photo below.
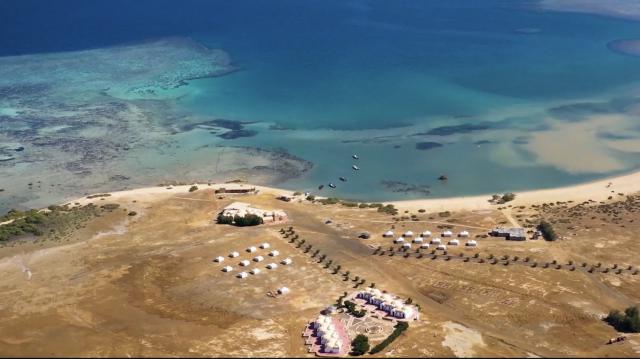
(146, 285)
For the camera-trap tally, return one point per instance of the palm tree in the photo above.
(490, 256)
(357, 278)
(315, 253)
(476, 255)
(372, 285)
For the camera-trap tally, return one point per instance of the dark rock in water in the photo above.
(450, 130)
(19, 149)
(397, 146)
(482, 142)
(119, 178)
(578, 111)
(427, 145)
(403, 187)
(230, 135)
(443, 178)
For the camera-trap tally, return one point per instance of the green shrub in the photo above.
(547, 231)
(330, 200)
(359, 345)
(388, 209)
(349, 204)
(224, 219)
(508, 197)
(628, 322)
(193, 188)
(399, 329)
(311, 198)
(247, 220)
(297, 193)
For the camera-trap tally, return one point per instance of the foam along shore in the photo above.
(599, 190)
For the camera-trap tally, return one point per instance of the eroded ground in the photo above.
(146, 285)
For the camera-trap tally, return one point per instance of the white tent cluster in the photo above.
(392, 306)
(329, 337)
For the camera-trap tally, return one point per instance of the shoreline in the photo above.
(596, 190)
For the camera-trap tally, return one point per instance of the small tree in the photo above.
(547, 231)
(359, 345)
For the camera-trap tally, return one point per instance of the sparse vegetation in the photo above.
(193, 188)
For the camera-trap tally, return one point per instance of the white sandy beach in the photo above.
(597, 191)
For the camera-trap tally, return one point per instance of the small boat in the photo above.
(332, 185)
(320, 187)
(356, 168)
(355, 157)
(343, 179)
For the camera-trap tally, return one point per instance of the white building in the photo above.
(426, 234)
(242, 275)
(393, 306)
(244, 263)
(408, 234)
(265, 245)
(241, 209)
(258, 258)
(406, 245)
(399, 240)
(274, 253)
(327, 332)
(387, 234)
(286, 261)
(227, 269)
(272, 266)
(418, 240)
(447, 233)
(283, 290)
(471, 243)
(453, 242)
(254, 271)
(436, 241)
(251, 249)
(424, 245)
(441, 247)
(234, 254)
(219, 259)
(464, 234)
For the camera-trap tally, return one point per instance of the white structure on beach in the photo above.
(242, 275)
(227, 269)
(258, 258)
(418, 240)
(399, 240)
(387, 234)
(424, 245)
(272, 266)
(464, 234)
(393, 306)
(234, 254)
(244, 263)
(436, 241)
(242, 209)
(447, 233)
(219, 259)
(408, 234)
(441, 247)
(453, 242)
(274, 253)
(283, 290)
(426, 234)
(251, 249)
(471, 243)
(286, 261)
(254, 271)
(406, 245)
(265, 245)
(328, 334)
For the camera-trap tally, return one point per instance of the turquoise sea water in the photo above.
(372, 77)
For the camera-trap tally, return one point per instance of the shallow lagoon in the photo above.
(316, 82)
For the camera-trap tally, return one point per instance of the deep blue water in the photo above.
(354, 65)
